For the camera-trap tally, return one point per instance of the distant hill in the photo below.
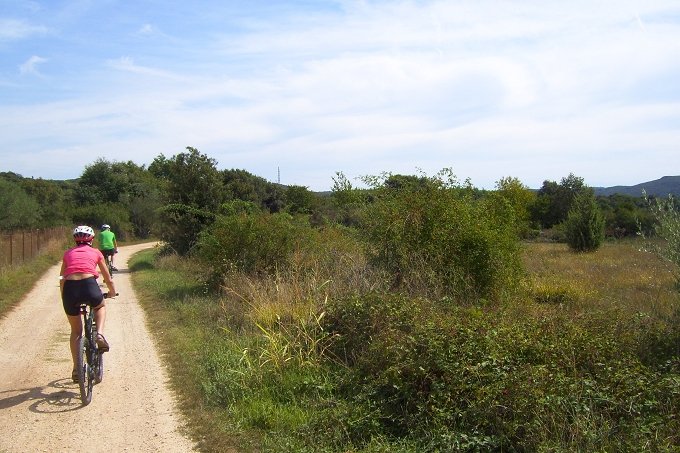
(659, 187)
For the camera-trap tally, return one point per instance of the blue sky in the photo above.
(533, 89)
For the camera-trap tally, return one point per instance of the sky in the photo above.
(296, 91)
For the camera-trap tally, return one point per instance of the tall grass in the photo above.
(618, 275)
(16, 281)
(321, 357)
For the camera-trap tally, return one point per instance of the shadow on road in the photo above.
(58, 396)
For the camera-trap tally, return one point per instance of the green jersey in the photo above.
(106, 240)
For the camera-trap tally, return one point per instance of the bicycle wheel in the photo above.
(84, 372)
(99, 368)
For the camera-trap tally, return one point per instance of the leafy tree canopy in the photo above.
(193, 179)
(17, 209)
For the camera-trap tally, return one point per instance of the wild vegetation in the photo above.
(17, 280)
(585, 356)
(414, 314)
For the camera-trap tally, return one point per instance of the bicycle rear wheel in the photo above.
(85, 374)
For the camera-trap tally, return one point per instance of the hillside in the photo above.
(659, 187)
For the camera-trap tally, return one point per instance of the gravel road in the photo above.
(132, 410)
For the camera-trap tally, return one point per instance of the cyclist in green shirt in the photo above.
(107, 243)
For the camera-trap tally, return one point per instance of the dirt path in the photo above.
(40, 408)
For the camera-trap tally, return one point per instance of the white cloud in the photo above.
(13, 29)
(30, 66)
(127, 64)
(490, 88)
(146, 29)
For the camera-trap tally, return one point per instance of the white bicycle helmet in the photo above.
(83, 233)
(105, 227)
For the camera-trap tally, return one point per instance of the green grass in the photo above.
(180, 317)
(585, 357)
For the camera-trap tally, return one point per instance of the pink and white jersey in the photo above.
(82, 259)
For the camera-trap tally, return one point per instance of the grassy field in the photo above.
(585, 357)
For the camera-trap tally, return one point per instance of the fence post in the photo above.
(30, 243)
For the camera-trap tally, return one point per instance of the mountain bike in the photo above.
(109, 264)
(89, 360)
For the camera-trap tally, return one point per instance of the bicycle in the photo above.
(109, 264)
(89, 360)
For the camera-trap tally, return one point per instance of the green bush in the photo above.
(444, 376)
(584, 227)
(251, 243)
(667, 227)
(235, 207)
(180, 226)
(433, 235)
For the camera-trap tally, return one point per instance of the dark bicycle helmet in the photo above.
(83, 233)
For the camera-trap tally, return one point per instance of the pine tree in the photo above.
(584, 227)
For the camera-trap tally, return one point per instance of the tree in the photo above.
(193, 195)
(192, 179)
(553, 200)
(624, 214)
(584, 227)
(520, 198)
(181, 226)
(666, 212)
(130, 193)
(17, 209)
(347, 201)
(54, 198)
(435, 235)
(299, 200)
(242, 185)
(106, 182)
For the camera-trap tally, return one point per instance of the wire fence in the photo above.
(18, 247)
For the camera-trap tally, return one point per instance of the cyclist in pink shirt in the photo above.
(79, 285)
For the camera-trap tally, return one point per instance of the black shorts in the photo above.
(108, 252)
(77, 292)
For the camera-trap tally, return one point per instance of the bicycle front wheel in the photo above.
(85, 375)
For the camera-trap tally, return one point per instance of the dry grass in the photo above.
(16, 281)
(617, 275)
(297, 293)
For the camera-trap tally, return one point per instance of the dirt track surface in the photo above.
(132, 410)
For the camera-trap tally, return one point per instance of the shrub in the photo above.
(487, 381)
(251, 243)
(433, 235)
(235, 207)
(584, 227)
(667, 227)
(181, 225)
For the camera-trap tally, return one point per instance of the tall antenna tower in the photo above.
(278, 173)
